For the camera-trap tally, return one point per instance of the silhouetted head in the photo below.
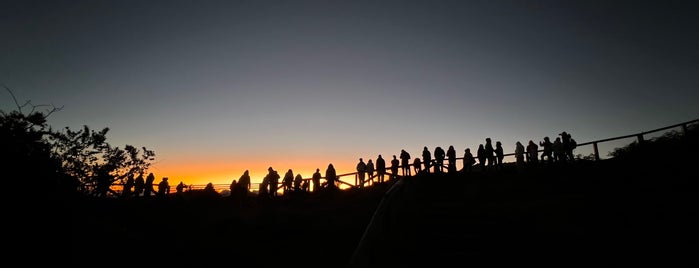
(487, 139)
(467, 150)
(546, 138)
(270, 169)
(317, 170)
(379, 156)
(394, 156)
(360, 160)
(497, 143)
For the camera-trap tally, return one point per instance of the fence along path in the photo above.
(344, 178)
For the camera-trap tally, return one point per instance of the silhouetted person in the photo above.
(273, 182)
(244, 184)
(331, 177)
(380, 168)
(427, 159)
(394, 167)
(139, 185)
(558, 152)
(532, 152)
(298, 180)
(568, 146)
(233, 188)
(480, 154)
(305, 186)
(361, 172)
(547, 146)
(451, 159)
(499, 154)
(468, 160)
(370, 170)
(128, 187)
(288, 180)
(209, 188)
(439, 156)
(180, 188)
(263, 188)
(148, 186)
(163, 187)
(103, 182)
(405, 162)
(489, 152)
(519, 153)
(316, 180)
(417, 165)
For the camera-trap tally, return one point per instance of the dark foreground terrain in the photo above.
(639, 209)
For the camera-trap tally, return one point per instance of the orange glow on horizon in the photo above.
(224, 172)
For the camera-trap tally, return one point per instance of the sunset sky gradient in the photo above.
(218, 87)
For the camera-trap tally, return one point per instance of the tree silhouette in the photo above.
(51, 162)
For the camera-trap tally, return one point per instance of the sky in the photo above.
(219, 87)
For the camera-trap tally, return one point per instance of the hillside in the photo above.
(638, 208)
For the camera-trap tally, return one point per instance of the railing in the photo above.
(640, 137)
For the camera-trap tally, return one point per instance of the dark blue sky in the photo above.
(212, 85)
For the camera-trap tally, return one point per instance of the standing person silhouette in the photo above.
(451, 159)
(331, 177)
(288, 181)
(405, 162)
(370, 171)
(480, 154)
(148, 186)
(380, 169)
(499, 154)
(532, 152)
(394, 167)
(244, 184)
(298, 180)
(316, 180)
(163, 187)
(547, 155)
(139, 185)
(128, 187)
(489, 153)
(519, 153)
(558, 153)
(468, 160)
(361, 172)
(439, 156)
(426, 159)
(233, 188)
(273, 182)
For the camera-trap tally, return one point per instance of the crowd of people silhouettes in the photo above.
(487, 158)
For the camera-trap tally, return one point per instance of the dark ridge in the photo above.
(636, 209)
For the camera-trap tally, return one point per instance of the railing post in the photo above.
(594, 147)
(684, 129)
(640, 138)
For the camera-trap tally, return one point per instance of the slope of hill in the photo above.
(638, 208)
